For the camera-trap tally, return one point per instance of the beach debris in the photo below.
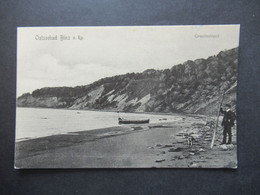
(192, 150)
(175, 150)
(181, 157)
(223, 147)
(137, 128)
(201, 150)
(192, 153)
(226, 147)
(160, 160)
(178, 149)
(162, 119)
(110, 133)
(167, 146)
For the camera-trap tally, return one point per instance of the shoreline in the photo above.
(161, 145)
(152, 113)
(111, 122)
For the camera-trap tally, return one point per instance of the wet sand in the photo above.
(181, 144)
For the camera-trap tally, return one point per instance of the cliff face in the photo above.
(191, 87)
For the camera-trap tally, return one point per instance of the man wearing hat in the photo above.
(228, 122)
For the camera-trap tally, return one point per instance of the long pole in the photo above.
(215, 130)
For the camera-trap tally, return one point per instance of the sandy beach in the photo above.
(182, 144)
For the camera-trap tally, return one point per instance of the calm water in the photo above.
(35, 122)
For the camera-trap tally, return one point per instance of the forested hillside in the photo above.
(191, 87)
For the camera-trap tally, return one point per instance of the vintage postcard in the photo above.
(127, 97)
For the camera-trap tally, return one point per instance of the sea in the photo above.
(41, 122)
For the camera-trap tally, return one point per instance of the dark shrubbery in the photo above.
(177, 88)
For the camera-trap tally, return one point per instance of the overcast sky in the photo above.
(109, 51)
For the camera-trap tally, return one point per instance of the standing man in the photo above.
(228, 122)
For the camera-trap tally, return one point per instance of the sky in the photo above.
(92, 53)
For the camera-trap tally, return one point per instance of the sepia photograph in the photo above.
(127, 97)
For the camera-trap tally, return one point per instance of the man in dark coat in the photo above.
(228, 122)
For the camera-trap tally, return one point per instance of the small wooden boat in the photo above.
(124, 121)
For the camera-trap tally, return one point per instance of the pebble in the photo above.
(193, 165)
(226, 147)
(159, 160)
(181, 157)
(175, 150)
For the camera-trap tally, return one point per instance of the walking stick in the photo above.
(215, 130)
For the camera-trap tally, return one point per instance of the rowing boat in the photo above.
(124, 121)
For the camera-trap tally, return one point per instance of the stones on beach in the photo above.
(180, 135)
(111, 133)
(178, 149)
(195, 166)
(160, 160)
(136, 128)
(181, 157)
(175, 149)
(162, 119)
(164, 146)
(192, 150)
(226, 147)
(168, 145)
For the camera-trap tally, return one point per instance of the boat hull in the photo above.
(133, 121)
